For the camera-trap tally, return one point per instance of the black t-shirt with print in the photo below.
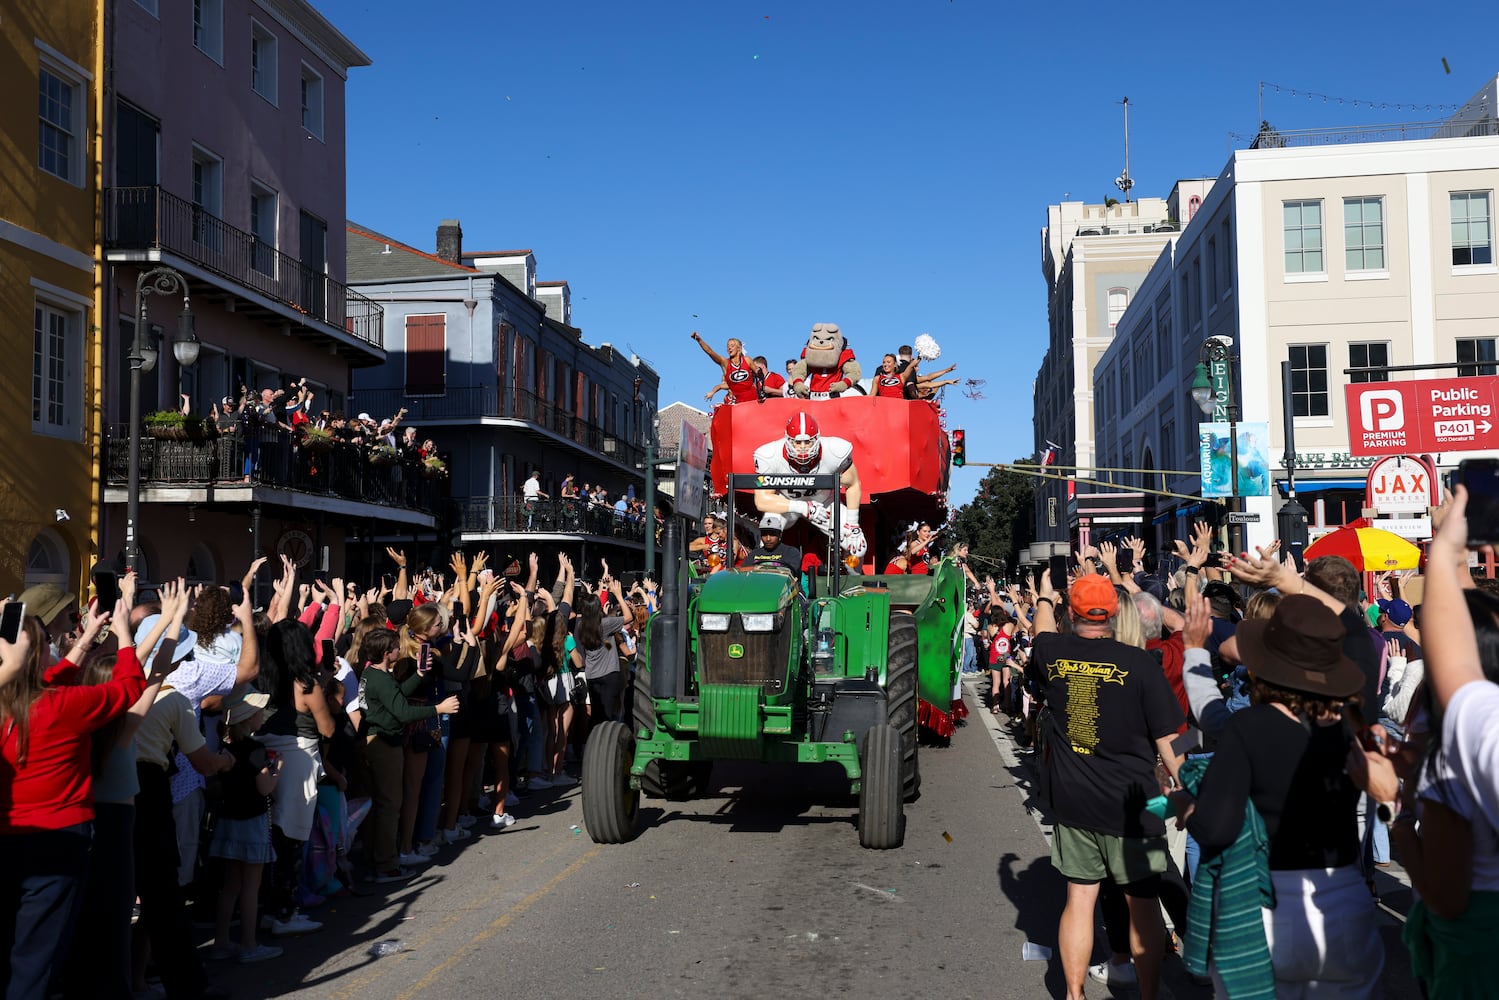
(242, 800)
(1107, 705)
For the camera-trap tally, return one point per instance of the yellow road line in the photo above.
(355, 987)
(499, 924)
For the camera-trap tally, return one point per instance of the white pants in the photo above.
(294, 802)
(187, 817)
(1324, 940)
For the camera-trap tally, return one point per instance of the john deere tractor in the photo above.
(764, 665)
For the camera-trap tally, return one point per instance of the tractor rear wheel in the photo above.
(611, 808)
(900, 700)
(881, 809)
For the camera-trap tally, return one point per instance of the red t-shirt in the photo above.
(1173, 659)
(819, 381)
(54, 788)
(999, 651)
(890, 386)
(740, 376)
(774, 381)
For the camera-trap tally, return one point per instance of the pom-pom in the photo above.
(926, 348)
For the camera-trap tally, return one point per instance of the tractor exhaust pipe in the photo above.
(667, 635)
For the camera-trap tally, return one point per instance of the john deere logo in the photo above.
(736, 650)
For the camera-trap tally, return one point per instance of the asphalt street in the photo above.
(757, 889)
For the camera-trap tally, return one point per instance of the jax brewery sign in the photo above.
(1448, 414)
(1400, 484)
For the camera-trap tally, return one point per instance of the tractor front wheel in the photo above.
(881, 798)
(611, 808)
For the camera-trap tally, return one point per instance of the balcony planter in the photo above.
(166, 425)
(434, 468)
(384, 456)
(317, 440)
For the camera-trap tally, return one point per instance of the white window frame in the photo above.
(313, 110)
(1325, 391)
(208, 28)
(1478, 366)
(1359, 377)
(1301, 250)
(208, 234)
(76, 130)
(1359, 230)
(73, 310)
(261, 193)
(265, 47)
(1113, 315)
(1473, 267)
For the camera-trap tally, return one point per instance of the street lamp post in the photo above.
(142, 358)
(1213, 392)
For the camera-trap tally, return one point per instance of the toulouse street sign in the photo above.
(1445, 414)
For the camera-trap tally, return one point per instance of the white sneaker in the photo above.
(414, 860)
(502, 821)
(467, 822)
(296, 924)
(539, 781)
(454, 835)
(1114, 976)
(564, 780)
(427, 849)
(259, 953)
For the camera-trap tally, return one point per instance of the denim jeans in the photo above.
(429, 804)
(98, 961)
(531, 747)
(970, 658)
(40, 884)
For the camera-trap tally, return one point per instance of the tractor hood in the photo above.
(736, 591)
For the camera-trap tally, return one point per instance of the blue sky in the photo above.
(750, 169)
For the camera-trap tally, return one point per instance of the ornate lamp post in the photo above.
(142, 358)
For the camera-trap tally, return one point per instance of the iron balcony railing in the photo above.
(344, 470)
(148, 218)
(467, 402)
(1283, 138)
(570, 515)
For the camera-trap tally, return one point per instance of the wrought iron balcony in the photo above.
(570, 516)
(472, 402)
(345, 471)
(148, 218)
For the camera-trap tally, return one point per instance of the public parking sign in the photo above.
(1446, 414)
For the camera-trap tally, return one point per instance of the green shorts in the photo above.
(1088, 857)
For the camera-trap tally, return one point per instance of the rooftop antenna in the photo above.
(1124, 182)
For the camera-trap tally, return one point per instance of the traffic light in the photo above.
(959, 448)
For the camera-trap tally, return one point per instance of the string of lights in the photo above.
(1355, 102)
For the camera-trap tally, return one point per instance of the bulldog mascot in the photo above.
(827, 367)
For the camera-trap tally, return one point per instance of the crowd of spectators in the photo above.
(264, 761)
(1242, 745)
(287, 423)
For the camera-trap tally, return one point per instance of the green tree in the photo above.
(999, 520)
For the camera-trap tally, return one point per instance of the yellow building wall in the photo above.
(49, 247)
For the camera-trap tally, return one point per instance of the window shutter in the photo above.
(426, 355)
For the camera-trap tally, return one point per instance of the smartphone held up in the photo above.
(1480, 476)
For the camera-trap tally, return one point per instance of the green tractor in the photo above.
(760, 666)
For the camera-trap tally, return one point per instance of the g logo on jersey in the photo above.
(738, 375)
(890, 380)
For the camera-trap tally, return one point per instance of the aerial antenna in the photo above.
(1124, 182)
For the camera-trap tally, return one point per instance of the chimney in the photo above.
(450, 241)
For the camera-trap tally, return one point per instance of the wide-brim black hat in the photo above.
(1300, 647)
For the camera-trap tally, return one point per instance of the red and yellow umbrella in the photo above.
(1371, 550)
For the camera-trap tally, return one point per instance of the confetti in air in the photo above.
(1445, 66)
(973, 388)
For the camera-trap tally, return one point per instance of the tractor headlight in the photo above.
(758, 623)
(714, 623)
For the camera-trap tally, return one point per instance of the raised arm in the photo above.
(1450, 643)
(718, 359)
(401, 591)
